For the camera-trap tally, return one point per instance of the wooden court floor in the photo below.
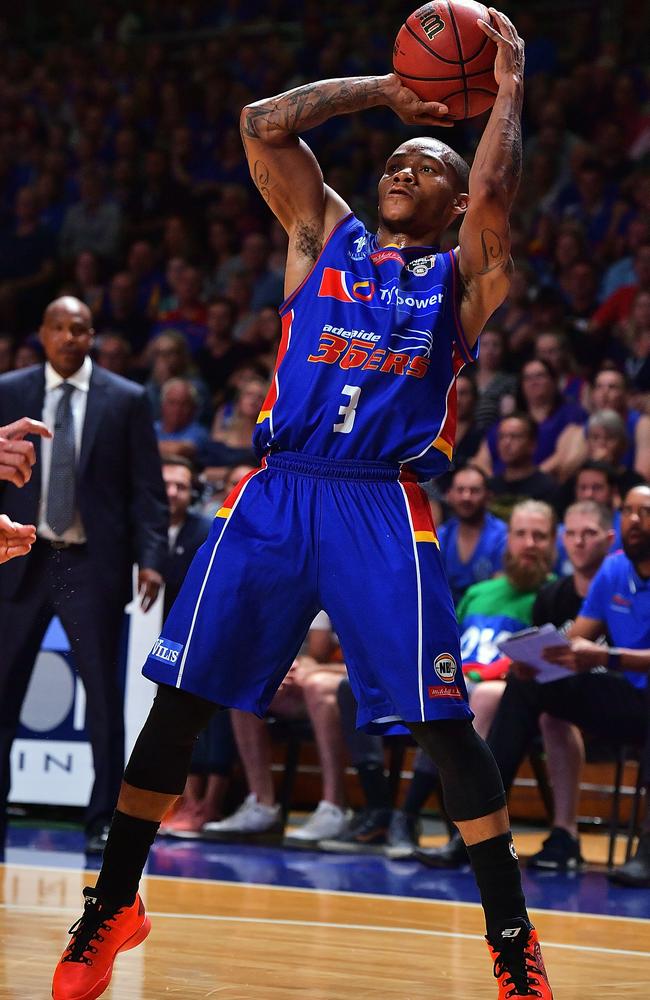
(230, 941)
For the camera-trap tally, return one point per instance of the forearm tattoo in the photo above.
(309, 106)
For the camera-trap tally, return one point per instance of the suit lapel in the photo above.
(95, 406)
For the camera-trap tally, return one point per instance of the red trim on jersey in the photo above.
(293, 294)
(448, 429)
(419, 507)
(274, 391)
(461, 338)
(231, 499)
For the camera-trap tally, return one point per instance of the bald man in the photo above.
(97, 501)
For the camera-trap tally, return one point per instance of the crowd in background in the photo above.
(123, 182)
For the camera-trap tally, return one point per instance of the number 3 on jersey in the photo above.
(349, 411)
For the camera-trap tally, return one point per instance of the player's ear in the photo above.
(461, 202)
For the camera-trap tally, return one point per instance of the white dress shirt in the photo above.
(75, 534)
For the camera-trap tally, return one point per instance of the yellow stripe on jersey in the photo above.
(444, 447)
(426, 536)
(263, 414)
(224, 512)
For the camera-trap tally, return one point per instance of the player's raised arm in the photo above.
(485, 261)
(286, 171)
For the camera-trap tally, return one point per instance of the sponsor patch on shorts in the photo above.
(445, 667)
(444, 692)
(166, 650)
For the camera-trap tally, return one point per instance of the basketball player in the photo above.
(375, 328)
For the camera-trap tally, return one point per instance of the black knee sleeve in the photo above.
(160, 760)
(470, 779)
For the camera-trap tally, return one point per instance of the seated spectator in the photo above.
(220, 250)
(493, 609)
(599, 482)
(178, 431)
(113, 352)
(169, 357)
(555, 418)
(120, 312)
(93, 223)
(262, 336)
(617, 307)
(516, 441)
(622, 273)
(309, 690)
(190, 313)
(496, 387)
(235, 428)
(86, 283)
(174, 272)
(472, 542)
(611, 702)
(636, 334)
(215, 487)
(514, 316)
(146, 276)
(552, 347)
(28, 353)
(591, 203)
(252, 262)
(588, 538)
(609, 392)
(220, 355)
(158, 195)
(27, 264)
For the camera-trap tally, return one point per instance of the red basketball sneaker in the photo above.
(518, 963)
(86, 966)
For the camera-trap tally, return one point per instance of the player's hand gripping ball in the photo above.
(443, 54)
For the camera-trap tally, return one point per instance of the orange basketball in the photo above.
(442, 55)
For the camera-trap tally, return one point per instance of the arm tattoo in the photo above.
(262, 178)
(492, 250)
(309, 106)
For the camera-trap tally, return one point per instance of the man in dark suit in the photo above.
(187, 531)
(98, 502)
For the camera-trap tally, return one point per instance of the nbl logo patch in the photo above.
(166, 650)
(445, 667)
(422, 265)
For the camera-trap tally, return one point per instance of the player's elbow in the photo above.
(257, 121)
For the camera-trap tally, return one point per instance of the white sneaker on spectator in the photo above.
(325, 822)
(252, 819)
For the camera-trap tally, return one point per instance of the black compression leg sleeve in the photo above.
(470, 779)
(161, 757)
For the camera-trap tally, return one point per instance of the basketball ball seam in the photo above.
(442, 79)
(460, 56)
(432, 52)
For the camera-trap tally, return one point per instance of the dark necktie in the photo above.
(61, 489)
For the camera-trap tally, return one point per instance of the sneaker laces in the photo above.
(523, 969)
(95, 918)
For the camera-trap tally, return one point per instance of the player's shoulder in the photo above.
(614, 566)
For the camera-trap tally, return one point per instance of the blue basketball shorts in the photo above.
(299, 535)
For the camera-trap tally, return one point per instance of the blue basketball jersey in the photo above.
(371, 347)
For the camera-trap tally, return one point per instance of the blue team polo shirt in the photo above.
(486, 560)
(620, 598)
